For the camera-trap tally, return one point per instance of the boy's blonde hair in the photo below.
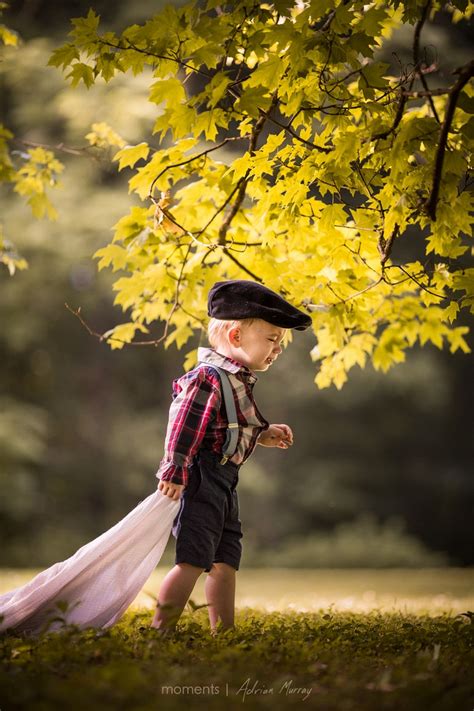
(217, 328)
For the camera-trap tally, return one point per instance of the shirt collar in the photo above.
(213, 357)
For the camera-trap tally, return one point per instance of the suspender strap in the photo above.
(232, 434)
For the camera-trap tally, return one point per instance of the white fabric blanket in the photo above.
(100, 580)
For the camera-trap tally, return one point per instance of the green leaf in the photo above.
(252, 100)
(432, 331)
(129, 155)
(179, 119)
(85, 26)
(124, 333)
(455, 337)
(374, 74)
(112, 254)
(267, 74)
(63, 56)
(8, 37)
(169, 91)
(312, 224)
(180, 335)
(191, 360)
(81, 72)
(465, 102)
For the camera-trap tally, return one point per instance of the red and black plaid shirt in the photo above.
(197, 417)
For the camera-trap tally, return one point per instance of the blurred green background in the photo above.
(381, 473)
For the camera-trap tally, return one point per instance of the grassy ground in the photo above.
(430, 591)
(330, 658)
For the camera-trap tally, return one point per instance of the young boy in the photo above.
(248, 323)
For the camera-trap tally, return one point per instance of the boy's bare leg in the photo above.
(220, 594)
(174, 594)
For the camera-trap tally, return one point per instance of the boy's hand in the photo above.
(174, 491)
(276, 436)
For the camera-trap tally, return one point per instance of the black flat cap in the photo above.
(242, 298)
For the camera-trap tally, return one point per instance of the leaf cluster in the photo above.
(30, 172)
(339, 161)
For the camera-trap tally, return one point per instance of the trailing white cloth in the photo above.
(100, 580)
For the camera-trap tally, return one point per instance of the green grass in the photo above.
(427, 591)
(328, 658)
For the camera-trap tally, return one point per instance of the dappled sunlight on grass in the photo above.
(332, 661)
(333, 639)
(427, 591)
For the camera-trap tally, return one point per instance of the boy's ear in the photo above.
(234, 335)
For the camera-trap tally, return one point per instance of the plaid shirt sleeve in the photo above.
(195, 404)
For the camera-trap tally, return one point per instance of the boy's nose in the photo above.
(278, 350)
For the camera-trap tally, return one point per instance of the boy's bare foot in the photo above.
(219, 630)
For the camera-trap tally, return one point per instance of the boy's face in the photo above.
(257, 346)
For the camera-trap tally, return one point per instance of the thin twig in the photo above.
(103, 336)
(421, 94)
(362, 291)
(77, 151)
(416, 57)
(369, 192)
(193, 158)
(292, 132)
(153, 54)
(410, 276)
(357, 254)
(152, 342)
(242, 266)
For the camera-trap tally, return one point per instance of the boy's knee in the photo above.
(197, 569)
(222, 568)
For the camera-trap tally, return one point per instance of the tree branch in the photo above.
(417, 72)
(219, 210)
(417, 33)
(465, 73)
(242, 184)
(242, 266)
(153, 342)
(385, 246)
(398, 116)
(293, 133)
(324, 23)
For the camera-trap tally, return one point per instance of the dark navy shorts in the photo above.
(207, 526)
